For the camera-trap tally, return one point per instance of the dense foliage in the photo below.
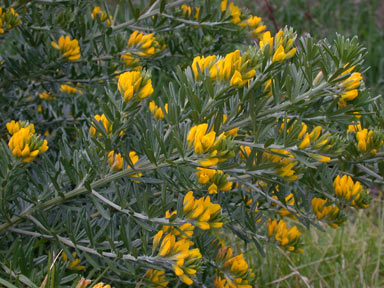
(148, 145)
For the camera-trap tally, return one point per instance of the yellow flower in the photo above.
(234, 69)
(284, 167)
(45, 96)
(351, 192)
(280, 46)
(330, 213)
(69, 89)
(156, 279)
(234, 269)
(287, 238)
(8, 19)
(349, 86)
(279, 55)
(102, 15)
(185, 261)
(73, 265)
(306, 142)
(107, 125)
(101, 285)
(70, 49)
(203, 63)
(24, 143)
(136, 84)
(115, 161)
(131, 60)
(157, 111)
(204, 214)
(145, 45)
(14, 127)
(187, 11)
(216, 178)
(202, 142)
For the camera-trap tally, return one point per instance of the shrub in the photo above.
(174, 137)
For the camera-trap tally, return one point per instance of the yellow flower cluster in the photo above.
(135, 83)
(369, 140)
(157, 111)
(144, 45)
(253, 23)
(231, 10)
(73, 265)
(25, 143)
(289, 201)
(83, 283)
(218, 148)
(202, 212)
(155, 279)
(102, 15)
(352, 192)
(116, 162)
(46, 96)
(189, 11)
(328, 212)
(233, 68)
(307, 139)
(285, 164)
(101, 285)
(280, 46)
(8, 19)
(184, 231)
(216, 178)
(234, 270)
(107, 126)
(70, 89)
(69, 49)
(350, 87)
(184, 260)
(288, 239)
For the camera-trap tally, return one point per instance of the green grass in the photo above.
(350, 256)
(323, 19)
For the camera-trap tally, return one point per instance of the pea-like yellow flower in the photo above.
(15, 126)
(135, 83)
(73, 265)
(155, 279)
(233, 270)
(351, 192)
(9, 19)
(157, 111)
(46, 96)
(201, 140)
(101, 285)
(288, 239)
(284, 164)
(107, 126)
(349, 87)
(24, 143)
(189, 11)
(231, 10)
(131, 60)
(216, 178)
(144, 45)
(327, 212)
(280, 47)
(185, 261)
(115, 161)
(203, 212)
(69, 49)
(234, 68)
(102, 15)
(256, 25)
(70, 89)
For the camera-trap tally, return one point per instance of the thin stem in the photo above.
(145, 166)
